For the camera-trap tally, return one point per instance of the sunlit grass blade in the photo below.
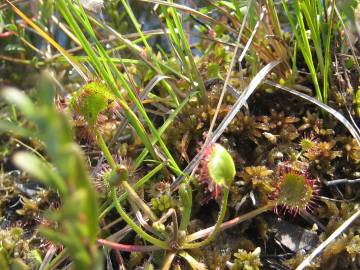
(189, 11)
(144, 153)
(303, 43)
(105, 68)
(79, 68)
(274, 19)
(182, 49)
(149, 51)
(162, 129)
(134, 98)
(142, 156)
(327, 53)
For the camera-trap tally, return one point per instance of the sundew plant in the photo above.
(157, 134)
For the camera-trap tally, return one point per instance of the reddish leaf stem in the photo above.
(127, 248)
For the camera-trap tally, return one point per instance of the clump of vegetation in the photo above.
(247, 260)
(221, 135)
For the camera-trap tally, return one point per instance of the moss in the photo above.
(273, 128)
(247, 260)
(216, 258)
(18, 248)
(260, 180)
(293, 262)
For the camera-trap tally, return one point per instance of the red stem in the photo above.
(125, 247)
(6, 34)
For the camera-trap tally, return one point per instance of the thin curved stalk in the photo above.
(144, 223)
(230, 223)
(185, 193)
(217, 226)
(135, 227)
(138, 201)
(49, 255)
(127, 248)
(136, 186)
(105, 149)
(60, 258)
(171, 212)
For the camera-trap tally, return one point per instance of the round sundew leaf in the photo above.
(221, 166)
(307, 144)
(90, 100)
(295, 192)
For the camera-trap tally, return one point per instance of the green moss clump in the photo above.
(247, 260)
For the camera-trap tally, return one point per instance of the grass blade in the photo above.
(79, 68)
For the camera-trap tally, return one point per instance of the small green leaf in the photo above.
(192, 261)
(11, 27)
(19, 99)
(40, 170)
(10, 127)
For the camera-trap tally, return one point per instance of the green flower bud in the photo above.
(154, 203)
(221, 166)
(118, 175)
(158, 227)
